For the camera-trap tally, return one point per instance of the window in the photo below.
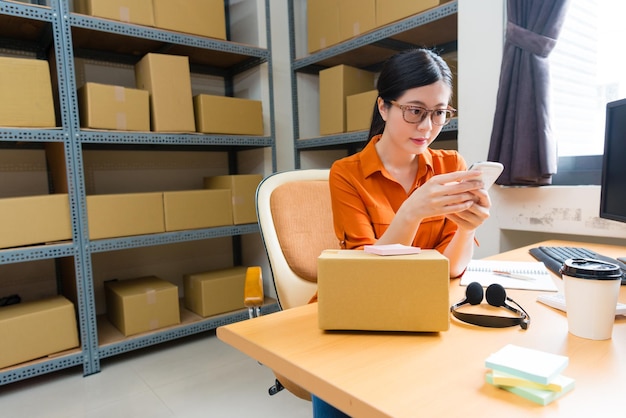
(588, 69)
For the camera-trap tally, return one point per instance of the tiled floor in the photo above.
(196, 377)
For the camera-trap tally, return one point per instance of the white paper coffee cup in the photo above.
(591, 293)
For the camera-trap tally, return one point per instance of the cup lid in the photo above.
(590, 268)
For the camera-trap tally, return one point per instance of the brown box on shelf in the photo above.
(388, 11)
(336, 83)
(452, 59)
(196, 17)
(192, 209)
(413, 297)
(120, 215)
(215, 292)
(359, 108)
(223, 115)
(143, 304)
(129, 11)
(114, 107)
(322, 24)
(168, 80)
(243, 192)
(356, 17)
(34, 220)
(31, 330)
(26, 88)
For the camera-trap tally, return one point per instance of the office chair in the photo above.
(296, 223)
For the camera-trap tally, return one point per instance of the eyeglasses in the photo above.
(417, 114)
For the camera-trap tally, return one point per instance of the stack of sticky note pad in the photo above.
(531, 374)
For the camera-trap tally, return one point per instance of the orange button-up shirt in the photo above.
(365, 197)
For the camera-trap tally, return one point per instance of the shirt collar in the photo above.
(371, 163)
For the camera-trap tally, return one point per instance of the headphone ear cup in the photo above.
(474, 293)
(496, 295)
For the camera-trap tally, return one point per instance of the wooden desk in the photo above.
(438, 374)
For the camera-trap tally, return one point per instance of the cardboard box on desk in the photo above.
(34, 220)
(243, 190)
(196, 17)
(362, 291)
(26, 93)
(31, 330)
(223, 115)
(126, 214)
(168, 80)
(142, 304)
(129, 11)
(114, 107)
(336, 83)
(192, 209)
(215, 292)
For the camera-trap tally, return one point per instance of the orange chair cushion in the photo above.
(303, 220)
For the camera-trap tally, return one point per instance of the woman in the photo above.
(397, 189)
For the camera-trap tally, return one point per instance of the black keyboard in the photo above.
(554, 257)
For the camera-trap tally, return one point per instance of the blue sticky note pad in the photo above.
(535, 365)
(539, 396)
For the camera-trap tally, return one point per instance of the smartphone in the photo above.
(491, 171)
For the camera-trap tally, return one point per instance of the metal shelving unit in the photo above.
(71, 35)
(436, 27)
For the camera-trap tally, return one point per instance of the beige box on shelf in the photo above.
(336, 83)
(243, 192)
(129, 11)
(114, 107)
(452, 59)
(197, 17)
(192, 209)
(26, 93)
(362, 291)
(215, 292)
(359, 108)
(388, 11)
(121, 215)
(34, 220)
(356, 17)
(322, 24)
(31, 330)
(228, 115)
(143, 304)
(168, 80)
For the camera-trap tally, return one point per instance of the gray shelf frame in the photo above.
(59, 17)
(312, 63)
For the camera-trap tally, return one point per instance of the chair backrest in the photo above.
(295, 218)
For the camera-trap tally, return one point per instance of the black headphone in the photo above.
(496, 296)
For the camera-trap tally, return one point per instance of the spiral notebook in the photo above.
(526, 275)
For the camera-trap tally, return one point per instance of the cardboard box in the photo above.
(197, 17)
(388, 11)
(121, 215)
(31, 330)
(34, 220)
(359, 108)
(168, 80)
(114, 107)
(143, 304)
(362, 291)
(322, 24)
(452, 59)
(337, 83)
(26, 93)
(228, 115)
(356, 17)
(243, 191)
(215, 292)
(129, 11)
(193, 209)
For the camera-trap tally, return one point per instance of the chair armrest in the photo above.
(253, 289)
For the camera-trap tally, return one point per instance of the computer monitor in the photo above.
(613, 185)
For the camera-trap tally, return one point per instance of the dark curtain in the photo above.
(521, 138)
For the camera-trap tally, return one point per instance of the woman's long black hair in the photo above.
(404, 71)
